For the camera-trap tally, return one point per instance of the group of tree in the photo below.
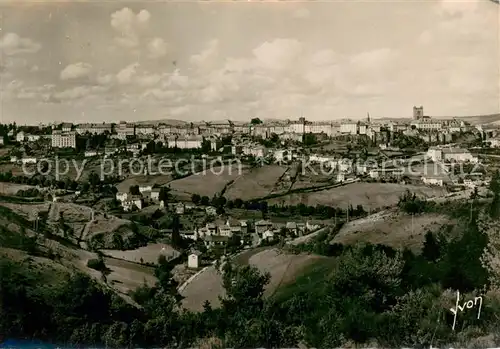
(301, 209)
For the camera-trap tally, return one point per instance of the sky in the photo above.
(95, 61)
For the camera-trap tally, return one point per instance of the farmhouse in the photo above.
(215, 240)
(134, 202)
(262, 226)
(234, 225)
(155, 194)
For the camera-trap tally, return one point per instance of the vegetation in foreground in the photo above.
(362, 294)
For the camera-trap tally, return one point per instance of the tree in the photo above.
(164, 194)
(238, 203)
(195, 198)
(490, 258)
(256, 121)
(205, 201)
(134, 190)
(431, 249)
(177, 241)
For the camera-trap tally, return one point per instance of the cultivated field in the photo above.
(255, 183)
(209, 183)
(149, 253)
(369, 195)
(313, 176)
(392, 228)
(283, 268)
(126, 276)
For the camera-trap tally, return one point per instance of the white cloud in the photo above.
(157, 48)
(105, 79)
(11, 44)
(279, 54)
(147, 80)
(128, 25)
(206, 58)
(126, 75)
(75, 71)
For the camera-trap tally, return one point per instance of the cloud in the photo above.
(207, 57)
(157, 48)
(12, 44)
(76, 71)
(279, 54)
(147, 79)
(128, 24)
(126, 75)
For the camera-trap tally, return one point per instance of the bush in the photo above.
(97, 264)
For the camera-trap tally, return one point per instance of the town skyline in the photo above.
(94, 62)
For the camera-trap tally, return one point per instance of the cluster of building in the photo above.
(219, 233)
(192, 135)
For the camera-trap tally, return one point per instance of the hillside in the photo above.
(392, 228)
(17, 237)
(283, 267)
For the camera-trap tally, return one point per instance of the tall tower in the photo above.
(418, 113)
(368, 118)
(302, 121)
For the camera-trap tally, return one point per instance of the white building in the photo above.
(20, 137)
(427, 124)
(192, 142)
(194, 260)
(120, 196)
(94, 128)
(145, 187)
(494, 142)
(66, 127)
(257, 151)
(124, 130)
(63, 139)
(134, 201)
(189, 142)
(144, 130)
(349, 127)
(28, 160)
(283, 155)
(451, 154)
(430, 180)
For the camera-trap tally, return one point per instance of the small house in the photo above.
(155, 194)
(194, 260)
(262, 226)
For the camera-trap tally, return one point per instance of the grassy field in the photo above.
(149, 253)
(392, 228)
(208, 183)
(283, 268)
(12, 188)
(370, 195)
(256, 183)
